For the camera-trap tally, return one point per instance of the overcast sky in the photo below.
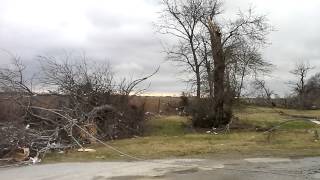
(121, 32)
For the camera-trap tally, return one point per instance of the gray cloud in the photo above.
(121, 31)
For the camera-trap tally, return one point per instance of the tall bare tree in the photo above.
(206, 45)
(182, 19)
(249, 28)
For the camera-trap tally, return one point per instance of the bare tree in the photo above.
(188, 20)
(263, 90)
(246, 60)
(12, 78)
(248, 28)
(131, 87)
(301, 71)
(206, 56)
(87, 85)
(182, 19)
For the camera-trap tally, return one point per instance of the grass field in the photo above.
(265, 117)
(173, 136)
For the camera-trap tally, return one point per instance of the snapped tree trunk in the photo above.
(221, 116)
(208, 68)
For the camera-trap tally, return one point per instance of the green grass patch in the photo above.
(170, 136)
(299, 125)
(306, 113)
(264, 117)
(168, 126)
(204, 145)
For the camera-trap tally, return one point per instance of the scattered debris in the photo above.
(35, 160)
(212, 132)
(86, 150)
(315, 121)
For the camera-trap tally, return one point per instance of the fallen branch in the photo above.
(285, 122)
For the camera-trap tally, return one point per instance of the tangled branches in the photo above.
(84, 104)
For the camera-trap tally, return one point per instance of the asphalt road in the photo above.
(172, 169)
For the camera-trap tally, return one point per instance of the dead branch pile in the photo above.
(44, 129)
(86, 104)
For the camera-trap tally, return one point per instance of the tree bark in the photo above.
(220, 115)
(197, 67)
(209, 79)
(198, 82)
(208, 68)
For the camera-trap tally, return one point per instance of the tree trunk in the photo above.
(197, 68)
(221, 116)
(209, 79)
(241, 83)
(198, 81)
(208, 68)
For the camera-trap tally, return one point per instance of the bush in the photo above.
(203, 115)
(200, 112)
